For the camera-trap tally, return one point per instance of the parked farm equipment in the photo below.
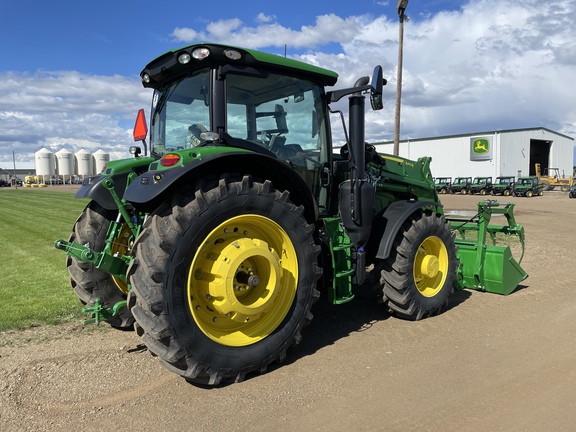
(443, 185)
(481, 186)
(528, 187)
(551, 178)
(504, 185)
(461, 185)
(216, 246)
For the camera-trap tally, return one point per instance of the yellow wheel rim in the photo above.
(121, 245)
(431, 266)
(242, 281)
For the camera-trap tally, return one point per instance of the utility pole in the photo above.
(401, 6)
(14, 162)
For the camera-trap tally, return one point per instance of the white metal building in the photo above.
(511, 152)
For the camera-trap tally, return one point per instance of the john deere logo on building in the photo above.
(481, 148)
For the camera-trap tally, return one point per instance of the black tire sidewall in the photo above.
(192, 340)
(403, 296)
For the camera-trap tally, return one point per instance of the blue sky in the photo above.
(120, 37)
(69, 69)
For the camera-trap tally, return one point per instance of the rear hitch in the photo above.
(100, 313)
(115, 265)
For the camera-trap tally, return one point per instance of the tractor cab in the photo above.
(210, 99)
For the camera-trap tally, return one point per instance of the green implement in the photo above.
(484, 264)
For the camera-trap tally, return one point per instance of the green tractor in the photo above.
(528, 187)
(216, 245)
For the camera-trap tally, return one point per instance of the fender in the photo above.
(118, 171)
(92, 188)
(393, 218)
(149, 189)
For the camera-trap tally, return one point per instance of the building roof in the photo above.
(478, 133)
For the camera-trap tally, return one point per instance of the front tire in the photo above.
(223, 280)
(419, 275)
(90, 283)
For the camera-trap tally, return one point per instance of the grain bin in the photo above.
(83, 163)
(99, 159)
(45, 163)
(64, 164)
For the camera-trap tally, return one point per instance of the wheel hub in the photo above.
(243, 280)
(429, 266)
(237, 294)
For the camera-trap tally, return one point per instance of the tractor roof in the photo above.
(193, 57)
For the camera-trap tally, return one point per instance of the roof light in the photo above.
(184, 58)
(146, 78)
(209, 137)
(232, 54)
(200, 53)
(169, 159)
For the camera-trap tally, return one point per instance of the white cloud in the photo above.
(66, 110)
(493, 64)
(263, 18)
(328, 28)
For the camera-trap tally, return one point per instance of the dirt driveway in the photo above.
(489, 363)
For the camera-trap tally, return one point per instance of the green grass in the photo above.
(34, 284)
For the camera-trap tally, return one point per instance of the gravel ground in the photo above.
(488, 363)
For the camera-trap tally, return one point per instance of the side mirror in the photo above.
(378, 82)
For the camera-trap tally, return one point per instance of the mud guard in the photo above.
(149, 188)
(393, 218)
(92, 188)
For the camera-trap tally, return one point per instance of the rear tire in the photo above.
(88, 282)
(546, 185)
(191, 296)
(419, 275)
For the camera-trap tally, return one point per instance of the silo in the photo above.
(83, 163)
(65, 164)
(99, 159)
(45, 163)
